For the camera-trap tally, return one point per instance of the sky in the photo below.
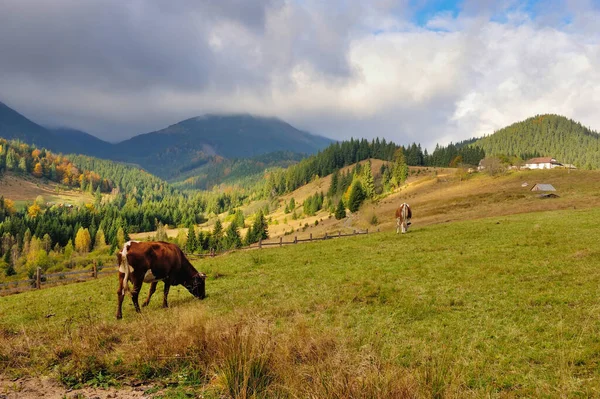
(406, 70)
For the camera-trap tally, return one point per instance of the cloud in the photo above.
(341, 69)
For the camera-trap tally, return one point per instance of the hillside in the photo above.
(24, 190)
(75, 141)
(14, 126)
(546, 135)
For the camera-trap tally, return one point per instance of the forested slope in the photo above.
(546, 135)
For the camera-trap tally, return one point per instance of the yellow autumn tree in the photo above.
(9, 205)
(83, 240)
(38, 170)
(34, 210)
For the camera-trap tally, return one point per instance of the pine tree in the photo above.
(217, 235)
(260, 227)
(191, 244)
(369, 183)
(10, 267)
(232, 237)
(333, 187)
(357, 196)
(340, 211)
(400, 170)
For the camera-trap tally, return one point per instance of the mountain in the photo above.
(546, 135)
(14, 126)
(196, 141)
(75, 141)
(177, 149)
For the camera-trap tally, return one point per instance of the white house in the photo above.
(542, 163)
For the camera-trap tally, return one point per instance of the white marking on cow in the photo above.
(124, 267)
(402, 220)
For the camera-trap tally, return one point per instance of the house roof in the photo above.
(543, 187)
(541, 160)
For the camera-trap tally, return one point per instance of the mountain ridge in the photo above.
(180, 146)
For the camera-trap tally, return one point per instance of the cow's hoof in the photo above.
(119, 317)
(144, 304)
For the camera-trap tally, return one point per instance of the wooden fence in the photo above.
(260, 244)
(50, 279)
(40, 279)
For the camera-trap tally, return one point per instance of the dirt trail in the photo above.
(33, 388)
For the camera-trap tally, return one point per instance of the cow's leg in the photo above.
(152, 290)
(403, 227)
(120, 295)
(137, 278)
(166, 294)
(397, 225)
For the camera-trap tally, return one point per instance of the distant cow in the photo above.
(152, 262)
(403, 215)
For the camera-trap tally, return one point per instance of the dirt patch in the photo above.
(33, 388)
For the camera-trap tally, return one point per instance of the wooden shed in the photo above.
(543, 187)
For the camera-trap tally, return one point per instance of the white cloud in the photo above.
(339, 70)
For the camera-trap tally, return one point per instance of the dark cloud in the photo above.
(342, 69)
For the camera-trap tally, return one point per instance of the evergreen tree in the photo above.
(369, 183)
(340, 211)
(400, 170)
(333, 187)
(10, 267)
(217, 235)
(357, 196)
(191, 244)
(232, 237)
(239, 219)
(260, 227)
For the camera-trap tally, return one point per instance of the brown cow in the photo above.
(403, 215)
(152, 262)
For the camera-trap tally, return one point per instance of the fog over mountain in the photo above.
(426, 71)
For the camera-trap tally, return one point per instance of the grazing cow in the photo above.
(403, 215)
(152, 262)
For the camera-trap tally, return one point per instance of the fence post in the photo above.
(212, 252)
(295, 239)
(280, 241)
(259, 243)
(354, 232)
(38, 278)
(325, 236)
(367, 231)
(339, 233)
(94, 270)
(311, 236)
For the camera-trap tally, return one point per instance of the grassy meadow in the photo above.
(506, 306)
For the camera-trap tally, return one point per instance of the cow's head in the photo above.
(196, 285)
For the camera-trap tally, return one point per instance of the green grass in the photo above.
(496, 307)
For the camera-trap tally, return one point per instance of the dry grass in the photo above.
(20, 189)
